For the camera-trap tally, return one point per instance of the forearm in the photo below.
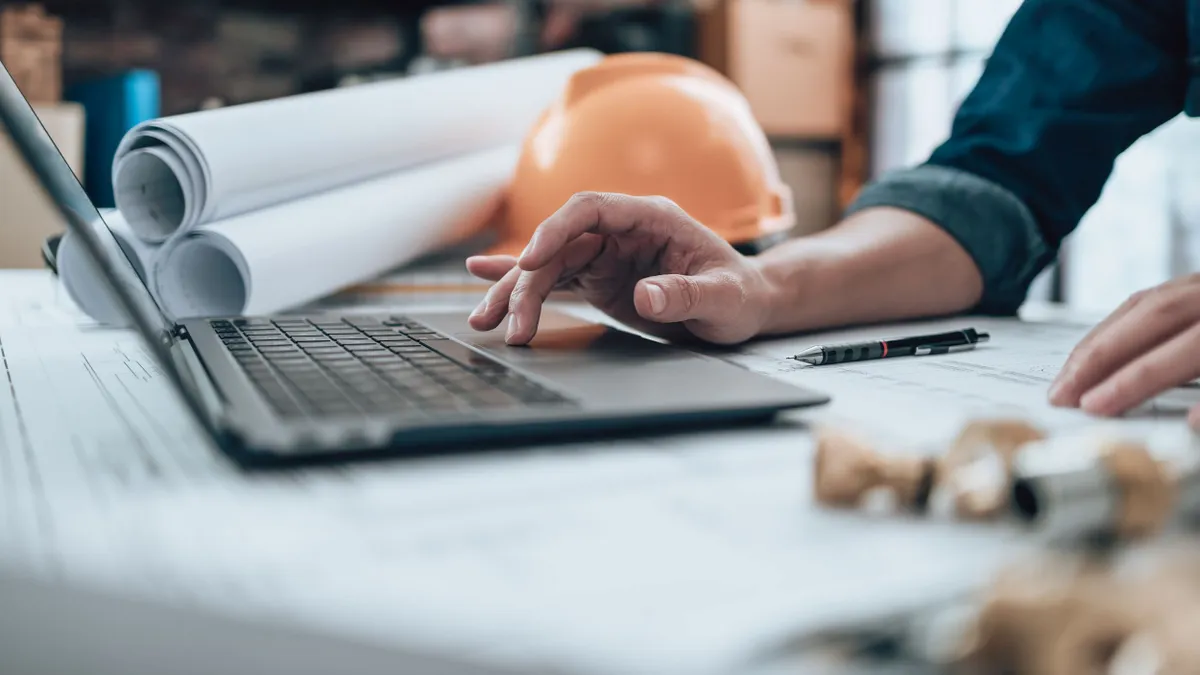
(1070, 85)
(879, 264)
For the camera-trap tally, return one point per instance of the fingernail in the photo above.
(479, 309)
(514, 324)
(1059, 390)
(1095, 402)
(658, 299)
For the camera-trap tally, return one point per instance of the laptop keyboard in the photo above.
(372, 365)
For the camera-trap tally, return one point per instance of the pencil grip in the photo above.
(860, 352)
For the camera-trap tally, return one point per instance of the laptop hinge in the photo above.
(198, 378)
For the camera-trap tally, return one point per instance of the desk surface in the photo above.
(689, 553)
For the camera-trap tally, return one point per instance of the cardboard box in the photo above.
(27, 216)
(36, 67)
(29, 22)
(812, 173)
(794, 60)
(31, 50)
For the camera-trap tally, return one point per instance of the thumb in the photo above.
(671, 298)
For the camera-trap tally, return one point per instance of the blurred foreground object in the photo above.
(1076, 616)
(975, 475)
(31, 49)
(1077, 488)
(849, 471)
(1051, 614)
(1084, 488)
(970, 481)
(652, 124)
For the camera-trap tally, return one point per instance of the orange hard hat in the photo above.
(651, 124)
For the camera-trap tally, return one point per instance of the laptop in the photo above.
(272, 390)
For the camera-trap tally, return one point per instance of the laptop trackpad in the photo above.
(565, 339)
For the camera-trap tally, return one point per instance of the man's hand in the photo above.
(641, 260)
(1150, 344)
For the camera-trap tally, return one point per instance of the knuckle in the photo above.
(1138, 373)
(689, 292)
(1138, 298)
(1169, 305)
(519, 292)
(661, 202)
(1094, 354)
(585, 197)
(591, 205)
(594, 200)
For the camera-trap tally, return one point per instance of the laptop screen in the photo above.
(84, 221)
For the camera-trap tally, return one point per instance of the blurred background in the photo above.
(846, 90)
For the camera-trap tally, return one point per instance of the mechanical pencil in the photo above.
(919, 345)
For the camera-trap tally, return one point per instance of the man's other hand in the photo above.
(1150, 344)
(641, 260)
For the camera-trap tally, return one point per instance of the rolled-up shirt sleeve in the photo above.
(1070, 85)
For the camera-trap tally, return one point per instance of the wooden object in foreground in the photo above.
(847, 470)
(975, 476)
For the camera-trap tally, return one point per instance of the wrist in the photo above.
(879, 265)
(785, 282)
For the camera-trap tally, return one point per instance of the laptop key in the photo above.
(358, 365)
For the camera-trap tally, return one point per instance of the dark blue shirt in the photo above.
(1070, 85)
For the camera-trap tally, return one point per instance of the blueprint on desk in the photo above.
(689, 553)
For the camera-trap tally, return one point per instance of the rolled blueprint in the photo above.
(288, 255)
(186, 170)
(80, 277)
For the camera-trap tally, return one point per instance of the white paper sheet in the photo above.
(686, 554)
(186, 170)
(1010, 375)
(280, 257)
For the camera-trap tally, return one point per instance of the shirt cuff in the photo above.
(991, 223)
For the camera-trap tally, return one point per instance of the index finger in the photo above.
(588, 212)
(1066, 390)
(1170, 365)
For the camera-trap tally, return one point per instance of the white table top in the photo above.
(689, 553)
